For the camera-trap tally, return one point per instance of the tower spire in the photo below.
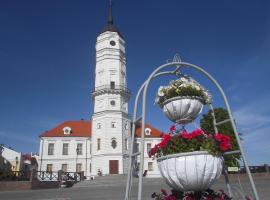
(110, 26)
(110, 18)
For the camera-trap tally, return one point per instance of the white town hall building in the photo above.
(102, 144)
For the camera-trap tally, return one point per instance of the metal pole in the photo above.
(143, 124)
(233, 125)
(224, 167)
(131, 160)
(178, 65)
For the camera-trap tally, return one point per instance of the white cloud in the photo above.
(253, 120)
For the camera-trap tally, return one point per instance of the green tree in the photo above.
(207, 125)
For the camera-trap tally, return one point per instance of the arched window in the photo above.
(114, 143)
(98, 144)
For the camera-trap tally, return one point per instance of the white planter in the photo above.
(192, 171)
(182, 110)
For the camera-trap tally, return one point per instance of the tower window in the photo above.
(113, 124)
(114, 143)
(112, 85)
(98, 125)
(126, 144)
(98, 144)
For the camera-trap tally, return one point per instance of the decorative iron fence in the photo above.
(71, 176)
(59, 176)
(15, 175)
(47, 176)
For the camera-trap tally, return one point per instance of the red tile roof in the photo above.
(83, 129)
(78, 129)
(155, 133)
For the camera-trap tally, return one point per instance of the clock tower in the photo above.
(110, 121)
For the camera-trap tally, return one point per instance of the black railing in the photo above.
(71, 176)
(112, 88)
(47, 176)
(59, 176)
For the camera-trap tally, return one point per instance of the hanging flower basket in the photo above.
(183, 99)
(182, 110)
(191, 171)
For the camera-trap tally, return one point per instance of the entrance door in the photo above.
(113, 166)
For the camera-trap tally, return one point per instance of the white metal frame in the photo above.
(177, 64)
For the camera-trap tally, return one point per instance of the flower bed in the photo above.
(197, 140)
(183, 87)
(204, 195)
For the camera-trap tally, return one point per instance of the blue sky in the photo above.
(47, 60)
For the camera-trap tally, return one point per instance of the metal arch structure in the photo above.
(178, 64)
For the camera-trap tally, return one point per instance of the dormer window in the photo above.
(147, 131)
(67, 130)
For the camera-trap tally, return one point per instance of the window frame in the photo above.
(98, 144)
(152, 166)
(65, 149)
(80, 150)
(49, 169)
(147, 147)
(50, 149)
(62, 167)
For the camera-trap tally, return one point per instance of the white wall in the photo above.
(58, 158)
(10, 156)
(153, 141)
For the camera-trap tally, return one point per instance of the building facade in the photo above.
(103, 142)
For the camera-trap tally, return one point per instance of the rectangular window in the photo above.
(148, 147)
(64, 167)
(79, 167)
(98, 144)
(150, 166)
(137, 147)
(113, 124)
(98, 125)
(126, 126)
(65, 149)
(50, 148)
(90, 149)
(49, 168)
(112, 85)
(79, 148)
(126, 144)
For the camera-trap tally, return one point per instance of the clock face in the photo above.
(112, 102)
(112, 43)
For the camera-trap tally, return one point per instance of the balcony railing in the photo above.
(111, 88)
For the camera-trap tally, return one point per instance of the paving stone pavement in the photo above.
(113, 188)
